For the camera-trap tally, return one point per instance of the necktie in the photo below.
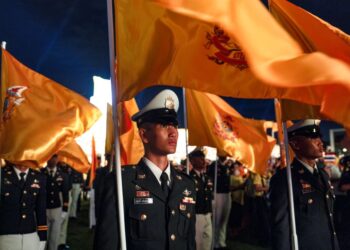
(21, 180)
(164, 183)
(51, 173)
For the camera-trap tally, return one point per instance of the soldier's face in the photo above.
(160, 139)
(311, 148)
(198, 163)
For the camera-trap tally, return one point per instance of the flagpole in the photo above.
(112, 60)
(214, 193)
(3, 45)
(186, 129)
(294, 235)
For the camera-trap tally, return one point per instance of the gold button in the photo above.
(52, 184)
(334, 233)
(330, 214)
(327, 196)
(25, 191)
(173, 237)
(51, 201)
(143, 217)
(51, 192)
(310, 201)
(24, 204)
(7, 194)
(206, 198)
(24, 216)
(188, 215)
(173, 212)
(196, 189)
(34, 194)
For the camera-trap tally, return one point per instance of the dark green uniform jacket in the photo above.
(313, 204)
(152, 222)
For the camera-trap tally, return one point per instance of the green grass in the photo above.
(80, 237)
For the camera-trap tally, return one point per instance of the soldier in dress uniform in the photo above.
(77, 180)
(204, 191)
(67, 170)
(22, 208)
(57, 184)
(222, 201)
(312, 192)
(159, 203)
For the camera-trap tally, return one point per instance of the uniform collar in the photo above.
(156, 170)
(17, 171)
(308, 167)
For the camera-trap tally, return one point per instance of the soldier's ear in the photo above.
(143, 135)
(294, 145)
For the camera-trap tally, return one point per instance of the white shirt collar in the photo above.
(156, 170)
(19, 171)
(311, 169)
(52, 169)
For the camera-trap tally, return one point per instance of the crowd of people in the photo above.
(195, 205)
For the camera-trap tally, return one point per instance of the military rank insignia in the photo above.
(188, 200)
(142, 193)
(306, 187)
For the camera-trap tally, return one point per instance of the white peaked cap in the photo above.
(164, 105)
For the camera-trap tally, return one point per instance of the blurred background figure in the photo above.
(204, 196)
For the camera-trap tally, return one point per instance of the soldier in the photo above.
(313, 195)
(57, 183)
(159, 203)
(222, 201)
(67, 170)
(77, 180)
(204, 191)
(22, 208)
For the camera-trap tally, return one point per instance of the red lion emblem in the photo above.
(224, 128)
(229, 52)
(13, 98)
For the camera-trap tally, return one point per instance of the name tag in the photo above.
(143, 200)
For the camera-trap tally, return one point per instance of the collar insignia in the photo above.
(186, 192)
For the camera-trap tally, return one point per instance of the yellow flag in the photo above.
(94, 162)
(156, 46)
(74, 156)
(313, 34)
(131, 147)
(213, 122)
(109, 130)
(39, 116)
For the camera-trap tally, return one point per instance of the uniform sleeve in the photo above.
(107, 232)
(40, 210)
(65, 192)
(280, 213)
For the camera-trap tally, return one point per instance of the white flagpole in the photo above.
(214, 193)
(294, 235)
(186, 129)
(3, 45)
(112, 60)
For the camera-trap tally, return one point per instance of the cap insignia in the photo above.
(169, 103)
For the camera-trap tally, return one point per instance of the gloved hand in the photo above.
(42, 245)
(64, 215)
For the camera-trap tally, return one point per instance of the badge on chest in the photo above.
(306, 187)
(143, 201)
